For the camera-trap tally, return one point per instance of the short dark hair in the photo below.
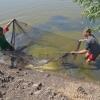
(88, 30)
(1, 29)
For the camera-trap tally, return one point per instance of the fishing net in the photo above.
(40, 43)
(47, 48)
(24, 34)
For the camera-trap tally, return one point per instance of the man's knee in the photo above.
(88, 61)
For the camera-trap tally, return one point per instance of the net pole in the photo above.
(13, 44)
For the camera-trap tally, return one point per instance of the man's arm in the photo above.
(82, 40)
(80, 52)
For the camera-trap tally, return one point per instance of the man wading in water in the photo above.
(4, 44)
(92, 49)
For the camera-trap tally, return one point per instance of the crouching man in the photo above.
(92, 49)
(5, 45)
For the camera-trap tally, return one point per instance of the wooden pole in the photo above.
(13, 44)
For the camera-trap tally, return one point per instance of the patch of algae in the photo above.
(51, 66)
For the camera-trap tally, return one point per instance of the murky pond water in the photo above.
(62, 17)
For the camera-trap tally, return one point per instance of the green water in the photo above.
(60, 17)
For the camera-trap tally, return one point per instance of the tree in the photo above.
(91, 9)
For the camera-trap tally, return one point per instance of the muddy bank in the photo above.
(25, 84)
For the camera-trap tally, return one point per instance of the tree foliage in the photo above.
(91, 8)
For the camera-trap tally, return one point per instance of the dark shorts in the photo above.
(90, 56)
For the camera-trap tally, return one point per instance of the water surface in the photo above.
(62, 17)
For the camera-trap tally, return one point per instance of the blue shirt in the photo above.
(93, 46)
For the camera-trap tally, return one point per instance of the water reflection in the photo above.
(62, 23)
(65, 24)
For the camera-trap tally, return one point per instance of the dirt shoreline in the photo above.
(25, 84)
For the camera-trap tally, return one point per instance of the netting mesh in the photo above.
(24, 34)
(44, 44)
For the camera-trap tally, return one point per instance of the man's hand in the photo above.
(5, 29)
(82, 40)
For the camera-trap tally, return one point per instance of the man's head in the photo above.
(1, 30)
(87, 32)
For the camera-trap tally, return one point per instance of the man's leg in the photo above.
(89, 58)
(87, 55)
(88, 61)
